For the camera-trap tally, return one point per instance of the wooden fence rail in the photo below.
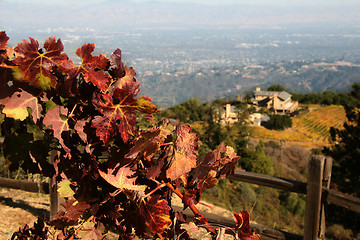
(342, 200)
(37, 187)
(317, 190)
(270, 181)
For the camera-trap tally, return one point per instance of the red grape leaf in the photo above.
(3, 48)
(209, 182)
(115, 119)
(243, 226)
(128, 78)
(186, 146)
(71, 216)
(155, 170)
(118, 112)
(3, 40)
(191, 197)
(54, 121)
(228, 160)
(91, 66)
(79, 127)
(156, 214)
(146, 144)
(17, 106)
(116, 65)
(222, 159)
(36, 66)
(90, 232)
(123, 179)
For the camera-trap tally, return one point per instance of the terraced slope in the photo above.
(311, 128)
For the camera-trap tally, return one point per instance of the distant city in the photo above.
(160, 51)
(161, 57)
(175, 59)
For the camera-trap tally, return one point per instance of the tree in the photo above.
(213, 132)
(189, 111)
(276, 88)
(279, 122)
(260, 163)
(345, 150)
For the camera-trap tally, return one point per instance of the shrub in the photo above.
(279, 122)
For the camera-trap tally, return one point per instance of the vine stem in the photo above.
(81, 227)
(154, 190)
(72, 111)
(192, 207)
(159, 235)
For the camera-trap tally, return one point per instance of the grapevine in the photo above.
(112, 174)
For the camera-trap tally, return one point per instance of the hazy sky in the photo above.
(268, 2)
(221, 2)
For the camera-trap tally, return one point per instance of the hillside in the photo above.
(310, 128)
(170, 88)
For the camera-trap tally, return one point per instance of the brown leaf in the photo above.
(116, 65)
(73, 211)
(222, 160)
(146, 144)
(156, 214)
(186, 146)
(122, 179)
(54, 121)
(79, 127)
(243, 226)
(3, 40)
(17, 106)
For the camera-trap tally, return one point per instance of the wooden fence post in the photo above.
(325, 185)
(54, 195)
(313, 197)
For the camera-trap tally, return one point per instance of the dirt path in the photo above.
(18, 208)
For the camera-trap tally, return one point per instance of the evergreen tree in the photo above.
(279, 122)
(213, 133)
(260, 163)
(345, 151)
(276, 88)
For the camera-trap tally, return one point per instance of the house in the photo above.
(279, 102)
(229, 115)
(256, 119)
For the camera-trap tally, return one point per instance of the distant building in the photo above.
(256, 119)
(229, 114)
(279, 102)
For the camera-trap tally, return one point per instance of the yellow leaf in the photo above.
(64, 189)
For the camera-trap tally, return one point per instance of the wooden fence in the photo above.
(317, 190)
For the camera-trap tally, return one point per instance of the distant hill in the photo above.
(175, 87)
